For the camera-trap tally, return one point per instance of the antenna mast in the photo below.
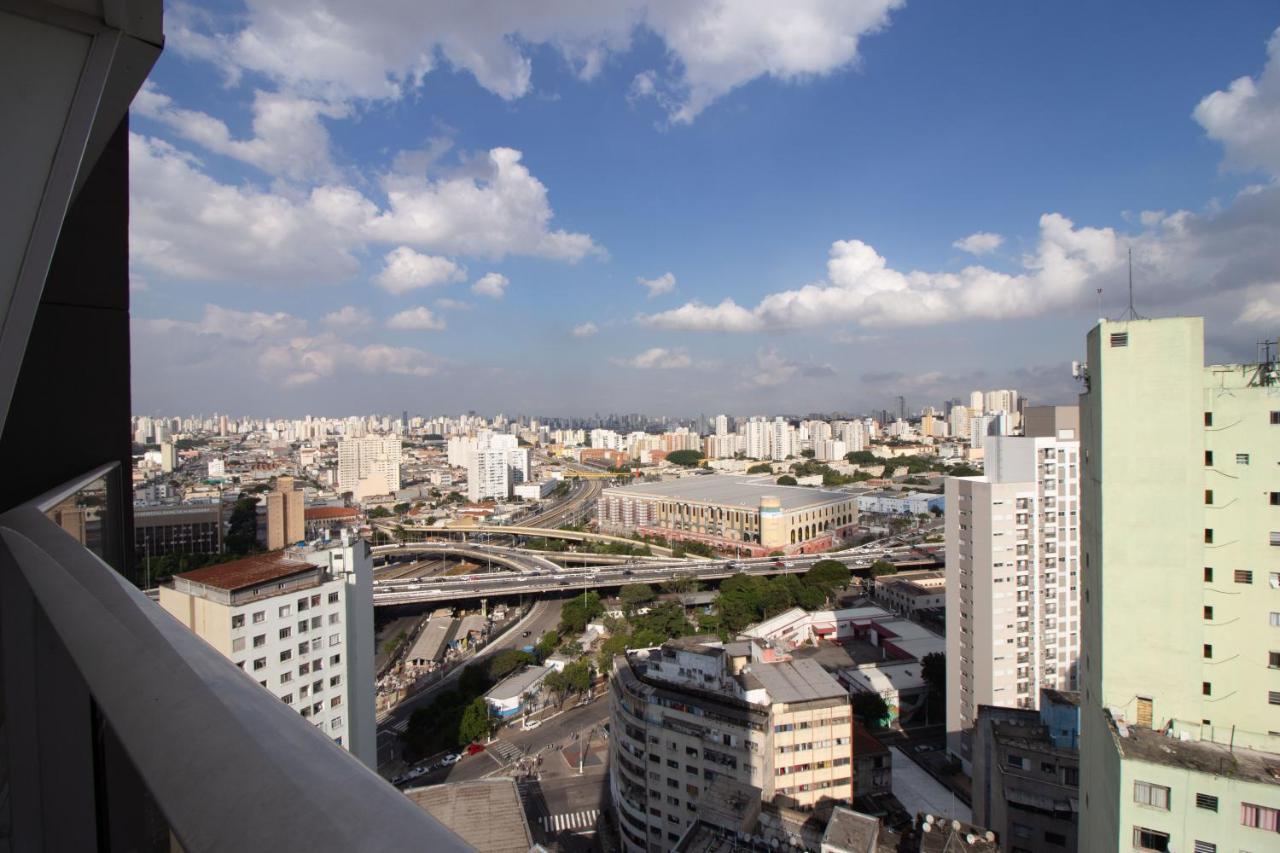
(1132, 313)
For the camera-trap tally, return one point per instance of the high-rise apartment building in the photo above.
(286, 515)
(300, 623)
(783, 434)
(722, 425)
(488, 475)
(369, 466)
(691, 711)
(1180, 721)
(1013, 550)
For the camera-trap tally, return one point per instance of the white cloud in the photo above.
(405, 270)
(415, 319)
(380, 49)
(1245, 117)
(1263, 309)
(347, 319)
(664, 283)
(289, 138)
(493, 285)
(186, 225)
(275, 347)
(585, 330)
(444, 303)
(657, 358)
(494, 207)
(772, 369)
(979, 243)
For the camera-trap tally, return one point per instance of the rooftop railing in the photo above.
(121, 729)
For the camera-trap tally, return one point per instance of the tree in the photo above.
(635, 596)
(762, 468)
(862, 457)
(242, 531)
(474, 725)
(681, 583)
(687, 458)
(780, 593)
(401, 508)
(547, 645)
(740, 601)
(609, 649)
(577, 677)
(578, 611)
(786, 480)
(808, 453)
(871, 708)
(883, 567)
(508, 661)
(379, 512)
(663, 621)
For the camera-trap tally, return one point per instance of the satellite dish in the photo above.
(955, 824)
(928, 827)
(990, 836)
(928, 818)
(970, 838)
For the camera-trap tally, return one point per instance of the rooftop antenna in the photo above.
(1132, 313)
(1100, 317)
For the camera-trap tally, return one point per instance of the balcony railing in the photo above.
(125, 730)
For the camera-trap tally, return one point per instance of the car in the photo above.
(451, 759)
(627, 573)
(475, 748)
(530, 725)
(526, 634)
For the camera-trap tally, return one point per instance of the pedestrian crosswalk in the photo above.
(570, 821)
(506, 752)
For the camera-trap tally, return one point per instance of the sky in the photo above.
(689, 206)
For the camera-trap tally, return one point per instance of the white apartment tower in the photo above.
(759, 434)
(369, 466)
(1013, 545)
(488, 475)
(1180, 665)
(782, 439)
(300, 623)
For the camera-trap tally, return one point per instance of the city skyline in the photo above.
(529, 216)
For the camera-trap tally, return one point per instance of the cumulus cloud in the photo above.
(404, 270)
(385, 49)
(585, 330)
(772, 368)
(417, 319)
(1182, 256)
(657, 358)
(277, 348)
(979, 243)
(289, 139)
(493, 285)
(184, 224)
(347, 319)
(664, 283)
(1245, 117)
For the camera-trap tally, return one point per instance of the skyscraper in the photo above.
(1012, 539)
(1181, 594)
(369, 466)
(285, 515)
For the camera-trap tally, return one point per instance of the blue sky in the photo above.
(445, 207)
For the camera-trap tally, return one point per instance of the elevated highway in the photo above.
(507, 558)
(562, 580)
(521, 531)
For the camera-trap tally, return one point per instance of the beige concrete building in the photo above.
(1180, 739)
(286, 515)
(1013, 541)
(751, 514)
(695, 710)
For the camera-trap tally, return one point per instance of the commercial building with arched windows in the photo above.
(752, 515)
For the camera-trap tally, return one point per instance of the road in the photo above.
(569, 579)
(542, 617)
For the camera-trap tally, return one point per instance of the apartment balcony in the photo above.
(125, 730)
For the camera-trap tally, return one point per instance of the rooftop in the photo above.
(249, 571)
(321, 513)
(515, 686)
(1198, 756)
(485, 813)
(727, 490)
(797, 681)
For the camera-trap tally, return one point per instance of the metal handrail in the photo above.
(229, 765)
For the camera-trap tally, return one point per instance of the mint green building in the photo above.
(1180, 664)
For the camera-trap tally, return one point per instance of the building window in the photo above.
(1273, 660)
(260, 663)
(1206, 688)
(286, 677)
(237, 621)
(1208, 418)
(333, 598)
(335, 639)
(287, 699)
(1208, 575)
(1244, 576)
(259, 616)
(260, 640)
(1016, 761)
(1275, 418)
(335, 723)
(286, 633)
(335, 680)
(1273, 697)
(1275, 538)
(1057, 839)
(335, 701)
(1208, 458)
(1208, 802)
(1208, 612)
(285, 655)
(1208, 536)
(1205, 847)
(285, 610)
(335, 660)
(302, 604)
(1275, 498)
(1208, 651)
(1259, 817)
(237, 645)
(1150, 839)
(333, 618)
(1147, 794)
(1275, 620)
(1242, 458)
(1119, 339)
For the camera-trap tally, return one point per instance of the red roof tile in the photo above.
(247, 572)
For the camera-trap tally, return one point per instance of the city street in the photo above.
(542, 617)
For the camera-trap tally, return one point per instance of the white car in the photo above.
(450, 760)
(530, 725)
